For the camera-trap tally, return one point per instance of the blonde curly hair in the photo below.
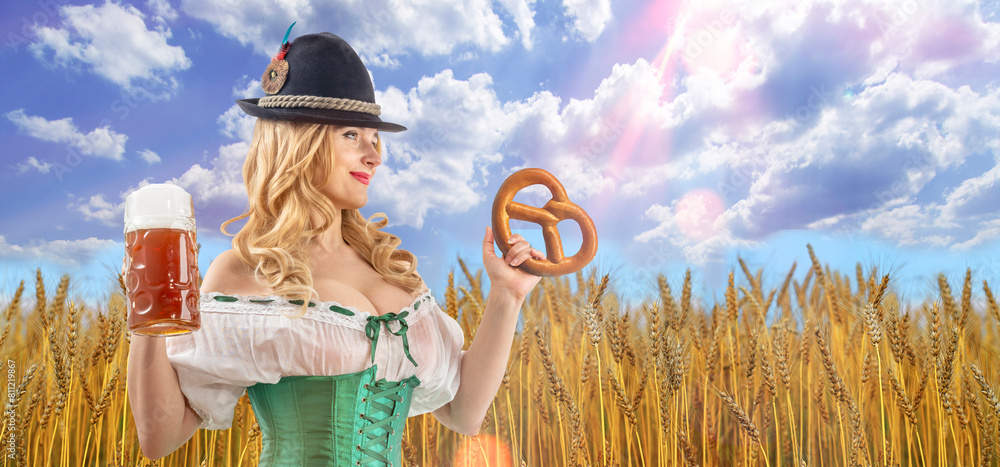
(283, 166)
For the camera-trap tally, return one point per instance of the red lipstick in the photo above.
(362, 177)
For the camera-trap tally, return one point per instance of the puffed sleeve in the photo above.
(440, 364)
(216, 364)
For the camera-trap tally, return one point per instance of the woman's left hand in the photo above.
(503, 272)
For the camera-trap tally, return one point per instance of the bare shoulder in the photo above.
(228, 274)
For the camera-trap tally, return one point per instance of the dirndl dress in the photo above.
(331, 388)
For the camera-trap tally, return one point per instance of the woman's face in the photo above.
(355, 158)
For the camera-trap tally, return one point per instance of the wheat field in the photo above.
(829, 370)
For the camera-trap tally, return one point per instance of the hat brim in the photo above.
(322, 116)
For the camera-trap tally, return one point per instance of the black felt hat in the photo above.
(318, 78)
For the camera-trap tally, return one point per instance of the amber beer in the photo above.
(161, 261)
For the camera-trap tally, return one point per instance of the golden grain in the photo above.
(946, 368)
(14, 307)
(991, 302)
(947, 300)
(451, 297)
(745, 423)
(685, 299)
(986, 389)
(671, 312)
(690, 458)
(901, 398)
(683, 348)
(966, 303)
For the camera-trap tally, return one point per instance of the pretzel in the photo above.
(557, 209)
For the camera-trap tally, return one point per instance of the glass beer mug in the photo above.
(161, 261)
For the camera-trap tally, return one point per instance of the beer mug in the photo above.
(161, 261)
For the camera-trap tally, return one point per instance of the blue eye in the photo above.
(352, 135)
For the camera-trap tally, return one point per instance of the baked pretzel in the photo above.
(557, 209)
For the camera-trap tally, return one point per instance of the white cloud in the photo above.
(974, 199)
(100, 142)
(216, 185)
(221, 183)
(235, 123)
(65, 252)
(455, 131)
(663, 216)
(813, 157)
(114, 42)
(899, 224)
(524, 18)
(248, 88)
(97, 208)
(427, 27)
(694, 227)
(590, 17)
(592, 144)
(773, 132)
(974, 188)
(149, 156)
(382, 61)
(987, 231)
(32, 163)
(818, 157)
(162, 10)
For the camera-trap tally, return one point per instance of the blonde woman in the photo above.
(315, 313)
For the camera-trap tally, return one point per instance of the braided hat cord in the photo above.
(318, 102)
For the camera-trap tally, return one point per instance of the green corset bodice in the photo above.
(332, 420)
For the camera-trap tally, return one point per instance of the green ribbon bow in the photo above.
(372, 331)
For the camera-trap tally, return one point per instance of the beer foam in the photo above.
(159, 206)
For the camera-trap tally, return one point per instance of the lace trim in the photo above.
(326, 311)
(207, 422)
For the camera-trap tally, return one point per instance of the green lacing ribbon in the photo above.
(228, 299)
(341, 310)
(372, 331)
(338, 309)
(381, 390)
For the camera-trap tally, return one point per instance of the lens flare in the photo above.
(712, 42)
(483, 451)
(697, 213)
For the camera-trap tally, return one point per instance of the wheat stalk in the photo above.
(671, 313)
(451, 297)
(745, 423)
(947, 367)
(690, 457)
(901, 398)
(947, 300)
(991, 302)
(985, 389)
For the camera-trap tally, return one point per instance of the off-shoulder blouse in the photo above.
(245, 340)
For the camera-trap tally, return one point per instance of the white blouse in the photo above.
(247, 340)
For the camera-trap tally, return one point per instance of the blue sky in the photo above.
(692, 132)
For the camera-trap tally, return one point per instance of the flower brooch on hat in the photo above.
(274, 76)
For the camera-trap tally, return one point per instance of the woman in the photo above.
(314, 312)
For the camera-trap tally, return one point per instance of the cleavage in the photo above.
(346, 295)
